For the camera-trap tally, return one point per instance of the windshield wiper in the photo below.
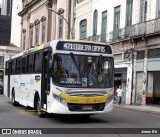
(74, 61)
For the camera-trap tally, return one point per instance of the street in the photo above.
(20, 117)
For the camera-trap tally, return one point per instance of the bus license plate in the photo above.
(87, 107)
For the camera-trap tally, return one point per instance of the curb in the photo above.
(136, 109)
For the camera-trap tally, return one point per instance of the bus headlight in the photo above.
(60, 99)
(109, 100)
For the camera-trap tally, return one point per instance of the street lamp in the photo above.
(58, 13)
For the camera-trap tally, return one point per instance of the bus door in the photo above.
(9, 73)
(45, 84)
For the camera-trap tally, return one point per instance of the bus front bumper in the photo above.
(59, 108)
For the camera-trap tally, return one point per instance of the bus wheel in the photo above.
(38, 109)
(14, 103)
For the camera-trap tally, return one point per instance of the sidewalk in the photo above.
(155, 109)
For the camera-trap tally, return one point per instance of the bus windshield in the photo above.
(83, 71)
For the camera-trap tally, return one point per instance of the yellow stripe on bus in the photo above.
(84, 99)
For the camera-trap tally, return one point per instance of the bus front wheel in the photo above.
(38, 108)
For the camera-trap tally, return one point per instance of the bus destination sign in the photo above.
(83, 47)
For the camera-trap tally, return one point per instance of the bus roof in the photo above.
(71, 45)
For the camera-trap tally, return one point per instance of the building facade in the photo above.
(45, 20)
(16, 23)
(5, 29)
(83, 19)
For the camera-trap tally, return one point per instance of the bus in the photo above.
(62, 77)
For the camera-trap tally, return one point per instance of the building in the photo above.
(83, 19)
(132, 27)
(7, 7)
(16, 23)
(45, 20)
(5, 29)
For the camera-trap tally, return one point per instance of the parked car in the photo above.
(1, 86)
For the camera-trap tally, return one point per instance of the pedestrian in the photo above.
(120, 93)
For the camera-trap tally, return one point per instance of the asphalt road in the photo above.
(21, 117)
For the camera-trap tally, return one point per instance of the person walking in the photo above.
(120, 93)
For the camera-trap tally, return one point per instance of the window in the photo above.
(117, 18)
(14, 66)
(104, 26)
(129, 12)
(83, 29)
(37, 67)
(24, 65)
(60, 27)
(36, 35)
(31, 37)
(30, 63)
(18, 66)
(158, 8)
(43, 32)
(95, 19)
(143, 10)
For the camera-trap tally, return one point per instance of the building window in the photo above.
(129, 12)
(158, 8)
(36, 35)
(143, 10)
(117, 18)
(154, 53)
(95, 19)
(60, 27)
(83, 29)
(140, 54)
(104, 26)
(31, 37)
(43, 32)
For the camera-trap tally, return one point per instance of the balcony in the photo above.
(99, 38)
(143, 29)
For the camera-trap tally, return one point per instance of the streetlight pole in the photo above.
(132, 57)
(70, 31)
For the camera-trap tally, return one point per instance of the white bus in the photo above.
(62, 77)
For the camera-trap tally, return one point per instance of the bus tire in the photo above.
(39, 112)
(14, 103)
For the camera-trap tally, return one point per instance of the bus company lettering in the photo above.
(83, 47)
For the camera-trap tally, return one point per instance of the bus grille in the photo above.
(78, 107)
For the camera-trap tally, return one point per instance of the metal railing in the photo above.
(99, 38)
(147, 28)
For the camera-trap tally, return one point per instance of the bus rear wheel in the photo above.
(14, 103)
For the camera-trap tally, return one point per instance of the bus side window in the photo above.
(18, 66)
(14, 66)
(30, 63)
(24, 65)
(37, 63)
